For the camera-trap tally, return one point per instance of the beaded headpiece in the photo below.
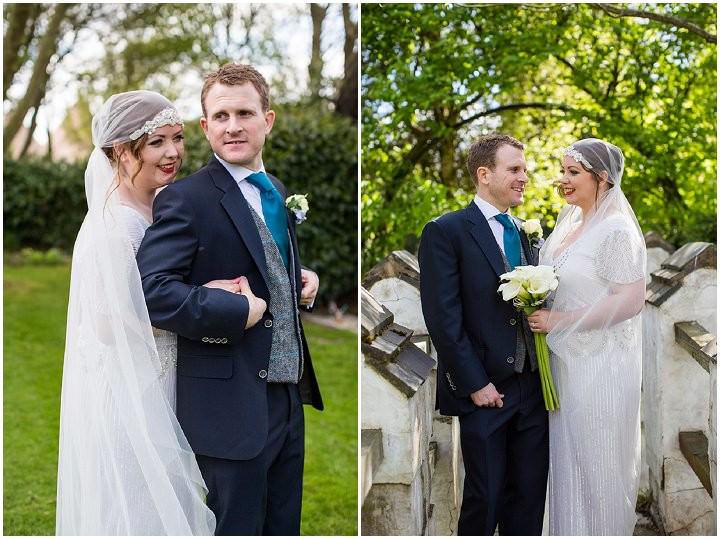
(168, 116)
(575, 154)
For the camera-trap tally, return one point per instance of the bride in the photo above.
(124, 466)
(594, 333)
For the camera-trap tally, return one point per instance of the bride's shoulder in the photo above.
(614, 225)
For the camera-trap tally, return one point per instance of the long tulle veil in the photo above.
(124, 466)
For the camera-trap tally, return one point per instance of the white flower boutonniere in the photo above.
(534, 232)
(298, 204)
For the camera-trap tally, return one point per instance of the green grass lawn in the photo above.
(35, 303)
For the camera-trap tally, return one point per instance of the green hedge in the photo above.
(43, 203)
(312, 150)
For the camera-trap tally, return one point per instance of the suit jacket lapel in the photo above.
(238, 210)
(480, 231)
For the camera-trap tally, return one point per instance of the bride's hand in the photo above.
(540, 321)
(231, 285)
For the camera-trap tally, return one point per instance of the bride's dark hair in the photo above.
(135, 147)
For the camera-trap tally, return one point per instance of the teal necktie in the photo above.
(511, 240)
(273, 209)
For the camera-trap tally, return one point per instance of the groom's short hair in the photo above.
(237, 75)
(482, 152)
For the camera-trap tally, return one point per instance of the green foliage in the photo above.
(36, 305)
(197, 149)
(436, 76)
(43, 203)
(314, 152)
(35, 257)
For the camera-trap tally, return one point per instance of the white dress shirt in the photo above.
(249, 191)
(490, 211)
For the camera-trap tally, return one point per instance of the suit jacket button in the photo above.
(513, 321)
(205, 339)
(510, 359)
(262, 374)
(268, 323)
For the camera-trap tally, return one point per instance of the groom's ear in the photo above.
(204, 125)
(269, 121)
(481, 175)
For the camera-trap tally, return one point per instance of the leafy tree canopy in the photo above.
(436, 76)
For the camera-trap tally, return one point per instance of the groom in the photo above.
(487, 369)
(243, 366)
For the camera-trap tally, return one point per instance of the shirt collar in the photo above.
(239, 172)
(487, 209)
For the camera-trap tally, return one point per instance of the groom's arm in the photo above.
(164, 260)
(441, 300)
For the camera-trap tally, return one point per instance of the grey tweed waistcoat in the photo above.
(286, 361)
(525, 339)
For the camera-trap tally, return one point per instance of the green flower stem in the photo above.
(543, 357)
(548, 387)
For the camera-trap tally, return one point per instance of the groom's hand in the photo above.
(257, 305)
(487, 397)
(310, 285)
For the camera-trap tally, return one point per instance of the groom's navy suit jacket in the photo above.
(474, 331)
(203, 230)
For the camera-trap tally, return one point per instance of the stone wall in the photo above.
(416, 488)
(677, 393)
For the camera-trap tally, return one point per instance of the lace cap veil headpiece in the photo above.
(122, 118)
(598, 155)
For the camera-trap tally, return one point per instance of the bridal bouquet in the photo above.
(528, 287)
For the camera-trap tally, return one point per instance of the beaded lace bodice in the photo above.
(165, 341)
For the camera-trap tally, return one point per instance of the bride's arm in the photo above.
(619, 274)
(625, 301)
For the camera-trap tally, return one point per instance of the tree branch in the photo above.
(426, 142)
(38, 80)
(514, 106)
(668, 19)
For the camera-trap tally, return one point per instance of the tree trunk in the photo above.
(29, 137)
(36, 108)
(21, 23)
(50, 145)
(38, 80)
(347, 98)
(317, 14)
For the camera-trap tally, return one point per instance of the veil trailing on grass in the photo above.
(124, 467)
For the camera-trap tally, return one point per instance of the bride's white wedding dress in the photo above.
(165, 341)
(596, 364)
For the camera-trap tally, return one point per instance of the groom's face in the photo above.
(236, 124)
(504, 185)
